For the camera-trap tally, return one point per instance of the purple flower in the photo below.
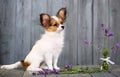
(117, 45)
(113, 50)
(47, 71)
(42, 72)
(56, 71)
(33, 73)
(86, 42)
(110, 34)
(106, 31)
(102, 25)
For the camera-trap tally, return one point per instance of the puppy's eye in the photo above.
(61, 22)
(55, 24)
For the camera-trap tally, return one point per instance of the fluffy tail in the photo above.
(18, 64)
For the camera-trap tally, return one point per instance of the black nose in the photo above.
(62, 27)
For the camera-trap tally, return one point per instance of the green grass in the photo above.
(81, 69)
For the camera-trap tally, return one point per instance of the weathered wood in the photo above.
(114, 72)
(79, 75)
(1, 23)
(11, 73)
(100, 16)
(8, 30)
(26, 26)
(29, 74)
(114, 24)
(84, 31)
(20, 28)
(104, 74)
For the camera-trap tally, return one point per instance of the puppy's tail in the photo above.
(19, 64)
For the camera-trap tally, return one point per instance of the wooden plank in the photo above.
(115, 73)
(3, 49)
(19, 31)
(12, 26)
(84, 31)
(29, 74)
(115, 70)
(62, 75)
(79, 75)
(54, 75)
(57, 5)
(70, 47)
(11, 73)
(114, 24)
(104, 74)
(1, 25)
(101, 16)
(26, 27)
(9, 30)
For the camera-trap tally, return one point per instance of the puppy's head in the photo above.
(53, 23)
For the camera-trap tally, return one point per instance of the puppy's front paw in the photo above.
(57, 68)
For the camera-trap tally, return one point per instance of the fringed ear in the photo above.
(45, 19)
(62, 14)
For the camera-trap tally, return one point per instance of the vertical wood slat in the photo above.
(19, 30)
(115, 26)
(101, 15)
(84, 31)
(1, 23)
(26, 26)
(8, 23)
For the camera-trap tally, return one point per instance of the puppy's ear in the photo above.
(62, 14)
(45, 19)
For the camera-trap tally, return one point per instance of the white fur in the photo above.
(59, 29)
(56, 18)
(12, 66)
(47, 49)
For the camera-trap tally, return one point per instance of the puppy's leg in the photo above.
(48, 60)
(35, 66)
(55, 60)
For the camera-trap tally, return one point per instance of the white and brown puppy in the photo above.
(48, 48)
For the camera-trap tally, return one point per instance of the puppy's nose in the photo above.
(62, 27)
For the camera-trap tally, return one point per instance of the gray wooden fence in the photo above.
(20, 28)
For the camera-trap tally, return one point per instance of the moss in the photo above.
(82, 69)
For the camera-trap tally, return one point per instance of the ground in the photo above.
(113, 72)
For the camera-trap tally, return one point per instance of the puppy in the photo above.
(48, 48)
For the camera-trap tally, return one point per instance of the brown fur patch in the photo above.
(52, 29)
(25, 63)
(53, 25)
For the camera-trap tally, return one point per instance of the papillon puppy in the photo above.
(48, 48)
